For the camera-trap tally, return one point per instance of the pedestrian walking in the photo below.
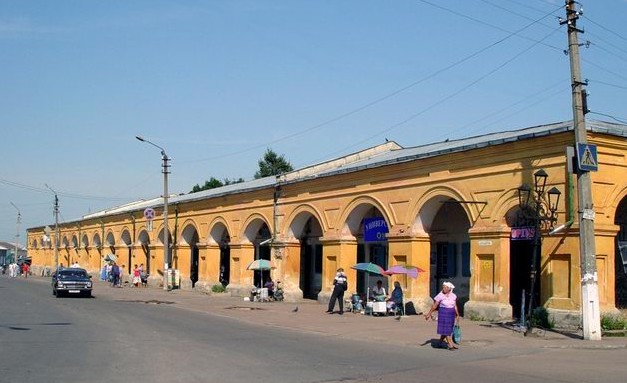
(340, 284)
(25, 270)
(136, 276)
(115, 273)
(446, 304)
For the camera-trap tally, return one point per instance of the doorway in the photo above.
(520, 258)
(193, 267)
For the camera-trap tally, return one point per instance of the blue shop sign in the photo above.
(375, 229)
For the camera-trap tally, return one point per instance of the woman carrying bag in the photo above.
(446, 304)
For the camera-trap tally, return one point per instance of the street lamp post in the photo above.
(166, 231)
(538, 212)
(17, 231)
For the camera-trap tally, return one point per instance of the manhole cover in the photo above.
(244, 308)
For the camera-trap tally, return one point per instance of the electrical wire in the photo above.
(607, 83)
(608, 51)
(605, 28)
(622, 121)
(562, 89)
(398, 91)
(537, 21)
(446, 98)
(67, 195)
(603, 68)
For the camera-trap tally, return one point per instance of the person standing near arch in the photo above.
(340, 284)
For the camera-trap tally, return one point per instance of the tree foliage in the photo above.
(213, 183)
(272, 164)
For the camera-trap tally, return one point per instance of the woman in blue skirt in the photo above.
(446, 304)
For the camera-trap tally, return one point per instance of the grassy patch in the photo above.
(540, 318)
(217, 288)
(613, 322)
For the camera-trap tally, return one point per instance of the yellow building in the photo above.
(450, 208)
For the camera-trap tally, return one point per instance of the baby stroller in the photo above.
(354, 304)
(278, 293)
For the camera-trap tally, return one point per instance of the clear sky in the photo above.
(217, 82)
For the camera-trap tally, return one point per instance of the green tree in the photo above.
(213, 183)
(233, 181)
(272, 164)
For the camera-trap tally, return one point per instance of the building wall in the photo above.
(408, 195)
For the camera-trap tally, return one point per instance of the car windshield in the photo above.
(70, 274)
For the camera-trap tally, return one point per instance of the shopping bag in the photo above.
(457, 334)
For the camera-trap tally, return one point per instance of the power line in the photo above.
(549, 96)
(604, 69)
(622, 121)
(446, 98)
(400, 90)
(68, 195)
(605, 28)
(537, 21)
(609, 52)
(608, 84)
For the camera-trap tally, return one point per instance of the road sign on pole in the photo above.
(149, 214)
(587, 157)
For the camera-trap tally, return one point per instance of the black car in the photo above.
(71, 281)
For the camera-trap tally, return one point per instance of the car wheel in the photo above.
(87, 294)
(54, 292)
(58, 294)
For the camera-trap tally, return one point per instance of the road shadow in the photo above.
(434, 343)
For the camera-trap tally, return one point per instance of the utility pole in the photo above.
(17, 231)
(166, 230)
(590, 311)
(56, 229)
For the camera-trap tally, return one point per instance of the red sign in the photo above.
(523, 233)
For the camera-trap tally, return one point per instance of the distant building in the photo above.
(7, 249)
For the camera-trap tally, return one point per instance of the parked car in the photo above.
(71, 281)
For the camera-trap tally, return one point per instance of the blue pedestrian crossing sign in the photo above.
(587, 157)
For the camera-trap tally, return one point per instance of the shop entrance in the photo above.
(520, 258)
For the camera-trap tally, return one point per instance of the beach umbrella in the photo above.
(411, 271)
(369, 267)
(260, 264)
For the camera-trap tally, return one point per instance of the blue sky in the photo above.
(217, 82)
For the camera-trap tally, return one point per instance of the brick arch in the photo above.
(96, 240)
(252, 225)
(345, 222)
(126, 238)
(506, 205)
(186, 224)
(297, 220)
(614, 199)
(214, 230)
(426, 207)
(85, 241)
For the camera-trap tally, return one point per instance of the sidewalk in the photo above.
(309, 316)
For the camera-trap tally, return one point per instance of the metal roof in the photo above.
(380, 155)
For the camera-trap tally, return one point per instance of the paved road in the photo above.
(142, 335)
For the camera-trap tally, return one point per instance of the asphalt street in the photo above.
(142, 335)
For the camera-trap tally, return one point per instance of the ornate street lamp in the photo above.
(537, 213)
